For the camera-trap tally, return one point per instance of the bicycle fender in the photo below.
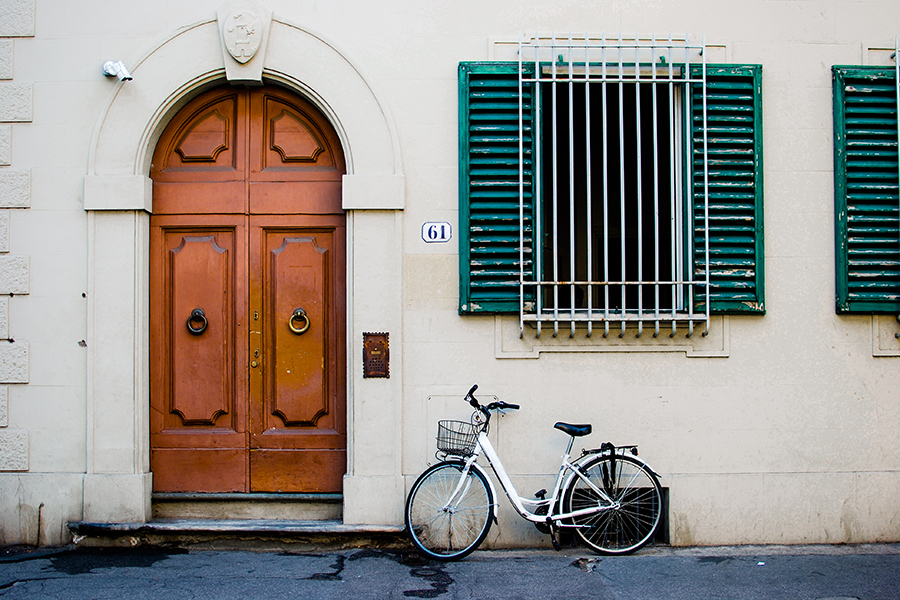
(584, 458)
(490, 481)
(642, 461)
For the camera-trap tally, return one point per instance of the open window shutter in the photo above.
(866, 190)
(489, 228)
(734, 166)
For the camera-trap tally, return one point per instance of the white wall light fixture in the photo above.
(116, 68)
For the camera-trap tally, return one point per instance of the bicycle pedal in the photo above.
(540, 494)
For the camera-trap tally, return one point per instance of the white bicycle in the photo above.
(609, 496)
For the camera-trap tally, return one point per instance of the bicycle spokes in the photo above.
(449, 510)
(632, 510)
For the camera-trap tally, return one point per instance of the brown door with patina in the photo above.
(247, 297)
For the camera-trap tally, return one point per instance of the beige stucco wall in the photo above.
(783, 428)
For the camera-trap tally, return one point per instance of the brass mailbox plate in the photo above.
(376, 355)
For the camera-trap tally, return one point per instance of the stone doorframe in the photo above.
(118, 198)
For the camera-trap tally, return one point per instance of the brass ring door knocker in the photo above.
(302, 318)
(197, 316)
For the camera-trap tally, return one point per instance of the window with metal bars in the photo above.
(610, 182)
(636, 226)
(867, 179)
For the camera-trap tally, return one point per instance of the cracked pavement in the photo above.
(870, 572)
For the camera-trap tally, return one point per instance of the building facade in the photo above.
(256, 249)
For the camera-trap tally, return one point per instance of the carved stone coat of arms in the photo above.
(242, 33)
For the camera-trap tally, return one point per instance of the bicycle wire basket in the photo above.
(456, 438)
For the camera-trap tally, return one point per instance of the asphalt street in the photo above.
(869, 572)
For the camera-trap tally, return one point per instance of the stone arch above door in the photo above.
(173, 72)
(118, 196)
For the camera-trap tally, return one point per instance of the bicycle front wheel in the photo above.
(447, 525)
(629, 522)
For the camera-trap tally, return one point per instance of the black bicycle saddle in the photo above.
(573, 430)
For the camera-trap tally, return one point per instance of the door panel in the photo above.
(300, 399)
(277, 198)
(198, 389)
(226, 197)
(295, 380)
(307, 471)
(199, 269)
(291, 140)
(206, 143)
(202, 470)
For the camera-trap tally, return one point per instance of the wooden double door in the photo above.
(247, 297)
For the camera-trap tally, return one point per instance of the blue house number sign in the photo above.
(433, 233)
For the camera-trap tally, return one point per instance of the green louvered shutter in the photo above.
(734, 167)
(489, 231)
(866, 190)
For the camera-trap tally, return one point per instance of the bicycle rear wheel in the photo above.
(448, 528)
(630, 522)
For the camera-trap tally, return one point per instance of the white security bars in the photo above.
(612, 127)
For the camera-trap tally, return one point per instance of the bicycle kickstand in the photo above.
(554, 535)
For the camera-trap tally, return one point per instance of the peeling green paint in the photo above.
(867, 203)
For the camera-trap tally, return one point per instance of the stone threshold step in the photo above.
(230, 526)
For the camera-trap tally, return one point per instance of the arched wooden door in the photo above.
(247, 297)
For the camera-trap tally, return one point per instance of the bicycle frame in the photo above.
(552, 504)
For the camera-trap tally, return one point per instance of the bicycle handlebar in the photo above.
(499, 405)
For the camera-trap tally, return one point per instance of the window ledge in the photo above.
(508, 344)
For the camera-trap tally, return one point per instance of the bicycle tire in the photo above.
(627, 527)
(455, 532)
